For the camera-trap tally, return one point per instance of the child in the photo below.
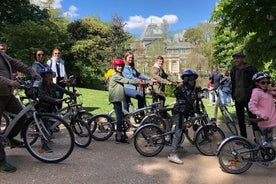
(47, 97)
(225, 89)
(262, 105)
(117, 95)
(186, 96)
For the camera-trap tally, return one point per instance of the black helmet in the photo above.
(260, 75)
(188, 73)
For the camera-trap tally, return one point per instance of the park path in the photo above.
(108, 162)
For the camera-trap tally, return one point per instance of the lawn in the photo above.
(96, 101)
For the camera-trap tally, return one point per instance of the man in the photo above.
(57, 65)
(159, 74)
(215, 77)
(9, 103)
(241, 77)
(3, 47)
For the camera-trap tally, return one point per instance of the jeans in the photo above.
(119, 115)
(240, 111)
(225, 98)
(178, 119)
(132, 93)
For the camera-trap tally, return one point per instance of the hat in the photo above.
(239, 54)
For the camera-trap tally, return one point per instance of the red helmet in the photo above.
(117, 61)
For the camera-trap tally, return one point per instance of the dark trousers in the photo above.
(240, 111)
(159, 98)
(59, 94)
(119, 115)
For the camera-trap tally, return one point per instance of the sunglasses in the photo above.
(57, 53)
(264, 82)
(40, 54)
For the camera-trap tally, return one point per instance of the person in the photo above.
(215, 77)
(117, 95)
(130, 72)
(225, 89)
(262, 105)
(3, 47)
(186, 96)
(9, 103)
(47, 96)
(159, 74)
(241, 77)
(57, 65)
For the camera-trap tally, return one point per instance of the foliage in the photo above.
(194, 36)
(253, 23)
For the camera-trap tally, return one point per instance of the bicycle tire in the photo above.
(4, 123)
(61, 142)
(155, 120)
(230, 159)
(149, 141)
(101, 127)
(84, 116)
(81, 130)
(208, 138)
(229, 121)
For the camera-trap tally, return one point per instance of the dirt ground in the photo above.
(108, 162)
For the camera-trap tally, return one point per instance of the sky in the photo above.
(137, 14)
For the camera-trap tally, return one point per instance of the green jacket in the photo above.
(116, 87)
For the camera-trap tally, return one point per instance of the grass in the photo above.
(96, 101)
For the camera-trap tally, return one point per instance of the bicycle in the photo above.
(36, 132)
(103, 125)
(150, 139)
(73, 115)
(229, 121)
(236, 154)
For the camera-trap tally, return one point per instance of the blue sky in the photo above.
(180, 14)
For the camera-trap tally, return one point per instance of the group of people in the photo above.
(48, 80)
(123, 86)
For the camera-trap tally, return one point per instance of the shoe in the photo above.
(6, 167)
(173, 157)
(16, 143)
(122, 140)
(46, 148)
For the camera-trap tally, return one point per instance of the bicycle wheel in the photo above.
(229, 121)
(155, 120)
(149, 141)
(83, 135)
(60, 144)
(234, 156)
(208, 138)
(101, 127)
(4, 123)
(84, 115)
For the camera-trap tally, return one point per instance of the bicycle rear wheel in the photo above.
(234, 156)
(59, 144)
(155, 120)
(208, 138)
(101, 127)
(4, 123)
(149, 141)
(83, 135)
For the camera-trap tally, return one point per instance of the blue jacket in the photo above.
(131, 73)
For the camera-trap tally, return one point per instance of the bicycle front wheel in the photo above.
(45, 144)
(83, 135)
(149, 141)
(234, 156)
(208, 138)
(229, 121)
(101, 127)
(155, 120)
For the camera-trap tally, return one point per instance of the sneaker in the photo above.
(265, 164)
(16, 143)
(174, 158)
(46, 148)
(6, 167)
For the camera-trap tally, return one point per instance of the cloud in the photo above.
(56, 3)
(139, 22)
(72, 12)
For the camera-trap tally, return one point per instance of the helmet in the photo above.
(46, 70)
(260, 75)
(117, 61)
(188, 73)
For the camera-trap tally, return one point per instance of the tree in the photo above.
(254, 25)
